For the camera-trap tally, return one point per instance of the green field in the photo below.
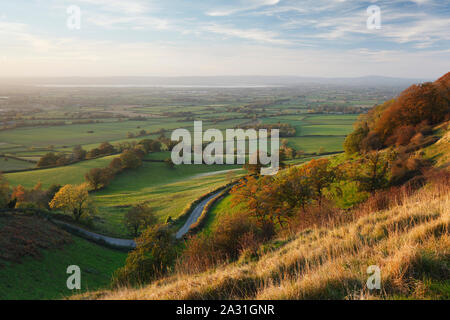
(315, 143)
(9, 164)
(45, 278)
(71, 174)
(168, 191)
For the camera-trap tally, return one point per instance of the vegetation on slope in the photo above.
(35, 254)
(409, 242)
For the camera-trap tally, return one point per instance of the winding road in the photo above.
(127, 243)
(195, 215)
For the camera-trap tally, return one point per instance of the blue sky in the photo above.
(217, 37)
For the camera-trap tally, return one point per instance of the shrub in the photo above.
(153, 257)
(233, 235)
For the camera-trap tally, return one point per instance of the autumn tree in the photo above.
(116, 165)
(130, 160)
(106, 148)
(320, 175)
(74, 199)
(99, 178)
(138, 218)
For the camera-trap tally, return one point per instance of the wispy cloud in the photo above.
(248, 34)
(128, 6)
(241, 7)
(176, 37)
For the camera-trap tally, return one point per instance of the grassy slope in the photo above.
(409, 242)
(45, 277)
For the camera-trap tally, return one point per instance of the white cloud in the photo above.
(246, 6)
(249, 34)
(131, 22)
(128, 6)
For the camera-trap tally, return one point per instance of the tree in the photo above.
(130, 160)
(373, 173)
(138, 218)
(79, 153)
(4, 191)
(116, 165)
(99, 178)
(320, 174)
(153, 257)
(74, 199)
(48, 159)
(106, 148)
(352, 143)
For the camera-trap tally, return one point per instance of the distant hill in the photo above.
(223, 81)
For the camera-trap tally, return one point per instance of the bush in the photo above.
(230, 238)
(153, 257)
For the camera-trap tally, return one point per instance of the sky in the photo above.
(42, 38)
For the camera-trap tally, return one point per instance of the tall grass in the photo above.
(409, 241)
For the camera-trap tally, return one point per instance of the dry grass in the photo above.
(409, 241)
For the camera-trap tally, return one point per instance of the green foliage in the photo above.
(153, 257)
(346, 194)
(352, 143)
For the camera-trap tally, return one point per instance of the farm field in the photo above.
(89, 117)
(7, 164)
(70, 174)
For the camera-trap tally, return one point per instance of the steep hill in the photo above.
(409, 242)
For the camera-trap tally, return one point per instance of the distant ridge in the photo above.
(218, 81)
